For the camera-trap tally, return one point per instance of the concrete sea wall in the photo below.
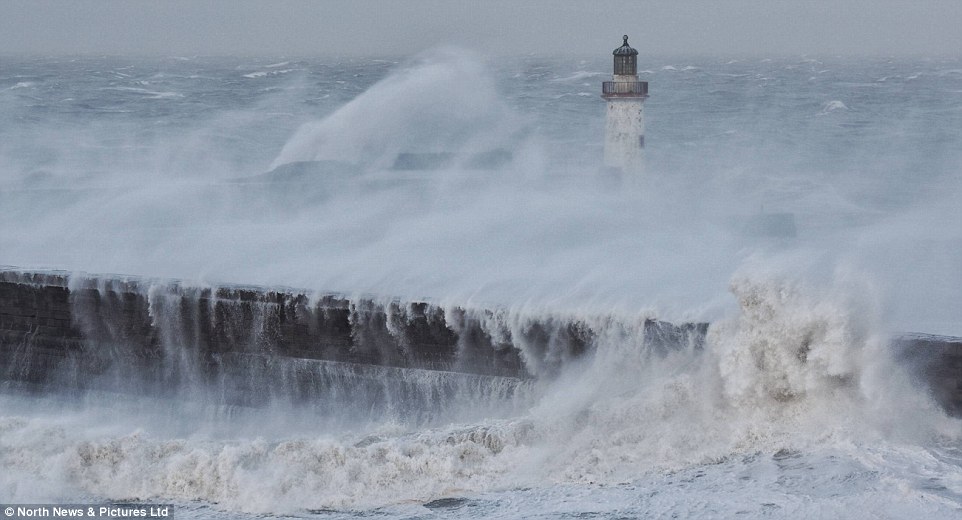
(250, 344)
(936, 361)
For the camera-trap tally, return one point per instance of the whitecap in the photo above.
(261, 74)
(583, 74)
(164, 95)
(832, 106)
(149, 94)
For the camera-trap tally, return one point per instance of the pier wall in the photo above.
(51, 319)
(161, 336)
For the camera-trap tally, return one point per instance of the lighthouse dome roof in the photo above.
(625, 49)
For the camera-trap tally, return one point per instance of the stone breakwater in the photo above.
(936, 362)
(251, 345)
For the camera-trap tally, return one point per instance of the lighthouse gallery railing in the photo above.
(624, 88)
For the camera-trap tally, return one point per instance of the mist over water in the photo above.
(143, 177)
(158, 169)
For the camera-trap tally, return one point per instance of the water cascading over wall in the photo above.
(255, 346)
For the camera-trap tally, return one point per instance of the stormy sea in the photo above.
(806, 208)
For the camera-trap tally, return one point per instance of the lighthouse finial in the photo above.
(626, 39)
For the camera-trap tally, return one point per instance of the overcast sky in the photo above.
(403, 27)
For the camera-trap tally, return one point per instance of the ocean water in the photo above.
(794, 407)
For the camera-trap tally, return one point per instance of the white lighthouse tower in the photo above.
(625, 127)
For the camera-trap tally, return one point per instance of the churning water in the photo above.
(794, 405)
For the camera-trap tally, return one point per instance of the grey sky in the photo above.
(401, 27)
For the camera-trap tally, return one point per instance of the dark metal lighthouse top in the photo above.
(625, 84)
(625, 49)
(626, 60)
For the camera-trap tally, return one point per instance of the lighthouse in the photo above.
(625, 126)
